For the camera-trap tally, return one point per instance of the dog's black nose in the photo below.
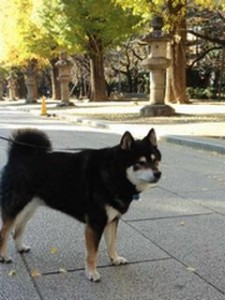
(157, 175)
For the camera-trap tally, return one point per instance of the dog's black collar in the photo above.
(136, 197)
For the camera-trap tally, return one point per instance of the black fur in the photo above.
(78, 184)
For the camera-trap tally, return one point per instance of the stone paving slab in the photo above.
(212, 199)
(158, 280)
(191, 159)
(70, 139)
(50, 231)
(198, 242)
(158, 203)
(198, 143)
(15, 281)
(160, 249)
(187, 170)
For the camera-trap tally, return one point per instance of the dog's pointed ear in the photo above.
(151, 137)
(127, 141)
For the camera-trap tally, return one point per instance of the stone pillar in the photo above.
(156, 63)
(64, 65)
(1, 86)
(12, 84)
(30, 83)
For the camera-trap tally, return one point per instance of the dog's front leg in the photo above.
(110, 234)
(4, 236)
(92, 238)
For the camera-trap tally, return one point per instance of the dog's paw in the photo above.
(23, 249)
(119, 260)
(5, 259)
(93, 275)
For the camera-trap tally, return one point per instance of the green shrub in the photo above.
(199, 93)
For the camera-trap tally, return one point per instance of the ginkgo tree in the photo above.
(93, 25)
(23, 39)
(174, 15)
(13, 25)
(41, 29)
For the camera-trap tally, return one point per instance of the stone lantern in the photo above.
(1, 86)
(30, 82)
(64, 66)
(157, 63)
(12, 85)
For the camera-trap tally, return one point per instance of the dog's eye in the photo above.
(140, 164)
(153, 157)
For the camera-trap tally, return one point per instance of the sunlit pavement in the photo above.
(198, 134)
(173, 238)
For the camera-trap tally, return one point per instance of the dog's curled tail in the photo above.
(28, 141)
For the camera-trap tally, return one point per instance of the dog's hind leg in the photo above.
(110, 235)
(21, 220)
(7, 227)
(92, 238)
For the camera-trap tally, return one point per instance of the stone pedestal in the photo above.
(156, 63)
(30, 82)
(30, 89)
(1, 86)
(12, 84)
(157, 110)
(64, 65)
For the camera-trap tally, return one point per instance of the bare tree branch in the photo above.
(203, 55)
(136, 55)
(208, 38)
(222, 16)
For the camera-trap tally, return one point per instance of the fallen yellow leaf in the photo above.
(182, 223)
(62, 270)
(12, 273)
(191, 269)
(54, 250)
(35, 273)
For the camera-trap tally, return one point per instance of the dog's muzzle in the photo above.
(148, 176)
(157, 176)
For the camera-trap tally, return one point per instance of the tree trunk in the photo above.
(130, 81)
(31, 81)
(35, 70)
(22, 90)
(55, 85)
(176, 73)
(221, 74)
(97, 76)
(36, 93)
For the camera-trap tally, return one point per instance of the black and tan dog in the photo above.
(94, 186)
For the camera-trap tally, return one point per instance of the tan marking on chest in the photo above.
(112, 213)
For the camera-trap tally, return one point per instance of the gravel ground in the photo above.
(135, 118)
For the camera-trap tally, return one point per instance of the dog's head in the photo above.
(142, 160)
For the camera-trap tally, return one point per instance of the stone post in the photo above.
(30, 83)
(65, 66)
(156, 63)
(12, 84)
(1, 86)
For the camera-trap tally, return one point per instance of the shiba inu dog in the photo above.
(93, 186)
